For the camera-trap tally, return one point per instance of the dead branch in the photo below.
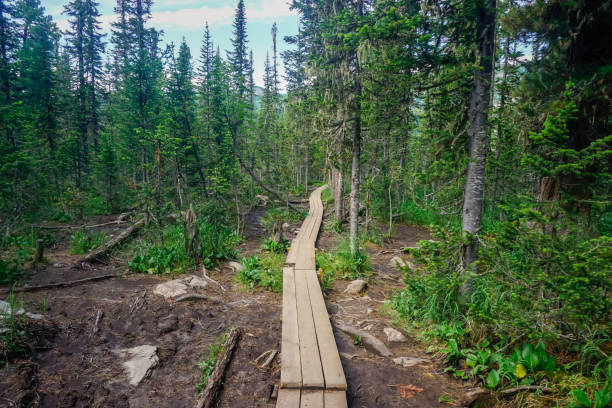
(64, 284)
(511, 391)
(104, 249)
(213, 387)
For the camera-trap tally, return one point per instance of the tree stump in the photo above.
(40, 247)
(192, 234)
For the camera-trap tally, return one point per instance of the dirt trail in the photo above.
(76, 367)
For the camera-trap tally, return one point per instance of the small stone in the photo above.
(142, 359)
(394, 336)
(410, 361)
(171, 288)
(59, 265)
(236, 266)
(356, 287)
(369, 310)
(196, 282)
(285, 226)
(167, 324)
(401, 263)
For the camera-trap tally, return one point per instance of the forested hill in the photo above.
(487, 121)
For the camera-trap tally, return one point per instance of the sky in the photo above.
(186, 18)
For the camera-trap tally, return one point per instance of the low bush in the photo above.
(539, 278)
(343, 264)
(266, 271)
(279, 247)
(82, 242)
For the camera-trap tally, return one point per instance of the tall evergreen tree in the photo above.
(238, 57)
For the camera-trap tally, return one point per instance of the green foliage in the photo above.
(357, 340)
(10, 271)
(14, 336)
(279, 247)
(326, 196)
(266, 271)
(82, 242)
(218, 243)
(207, 365)
(341, 263)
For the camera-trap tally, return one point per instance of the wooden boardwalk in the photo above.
(311, 371)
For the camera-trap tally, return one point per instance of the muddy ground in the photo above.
(76, 362)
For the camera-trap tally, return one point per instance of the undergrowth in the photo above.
(207, 365)
(539, 312)
(344, 265)
(265, 271)
(168, 255)
(82, 242)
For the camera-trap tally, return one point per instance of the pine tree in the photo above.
(237, 57)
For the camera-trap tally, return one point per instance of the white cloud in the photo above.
(194, 18)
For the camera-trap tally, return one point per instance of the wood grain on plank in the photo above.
(330, 359)
(335, 399)
(291, 372)
(288, 398)
(312, 399)
(312, 372)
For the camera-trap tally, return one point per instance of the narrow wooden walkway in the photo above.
(311, 371)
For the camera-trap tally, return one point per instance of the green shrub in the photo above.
(82, 242)
(266, 271)
(14, 336)
(207, 365)
(216, 243)
(343, 264)
(10, 271)
(280, 247)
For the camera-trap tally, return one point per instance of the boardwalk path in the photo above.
(311, 372)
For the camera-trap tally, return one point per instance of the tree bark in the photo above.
(213, 387)
(477, 131)
(112, 243)
(339, 196)
(355, 180)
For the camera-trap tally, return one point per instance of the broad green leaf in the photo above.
(492, 379)
(582, 398)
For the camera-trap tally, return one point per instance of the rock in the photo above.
(262, 199)
(285, 226)
(394, 336)
(400, 262)
(236, 266)
(171, 288)
(59, 265)
(142, 359)
(5, 309)
(356, 287)
(369, 310)
(410, 361)
(167, 324)
(195, 282)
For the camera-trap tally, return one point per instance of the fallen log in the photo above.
(190, 296)
(95, 254)
(511, 391)
(63, 284)
(366, 338)
(213, 387)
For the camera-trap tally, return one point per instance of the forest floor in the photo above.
(76, 363)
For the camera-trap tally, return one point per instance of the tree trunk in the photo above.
(477, 131)
(192, 234)
(355, 179)
(339, 196)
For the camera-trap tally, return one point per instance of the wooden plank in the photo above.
(288, 398)
(312, 399)
(312, 372)
(335, 399)
(330, 359)
(291, 368)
